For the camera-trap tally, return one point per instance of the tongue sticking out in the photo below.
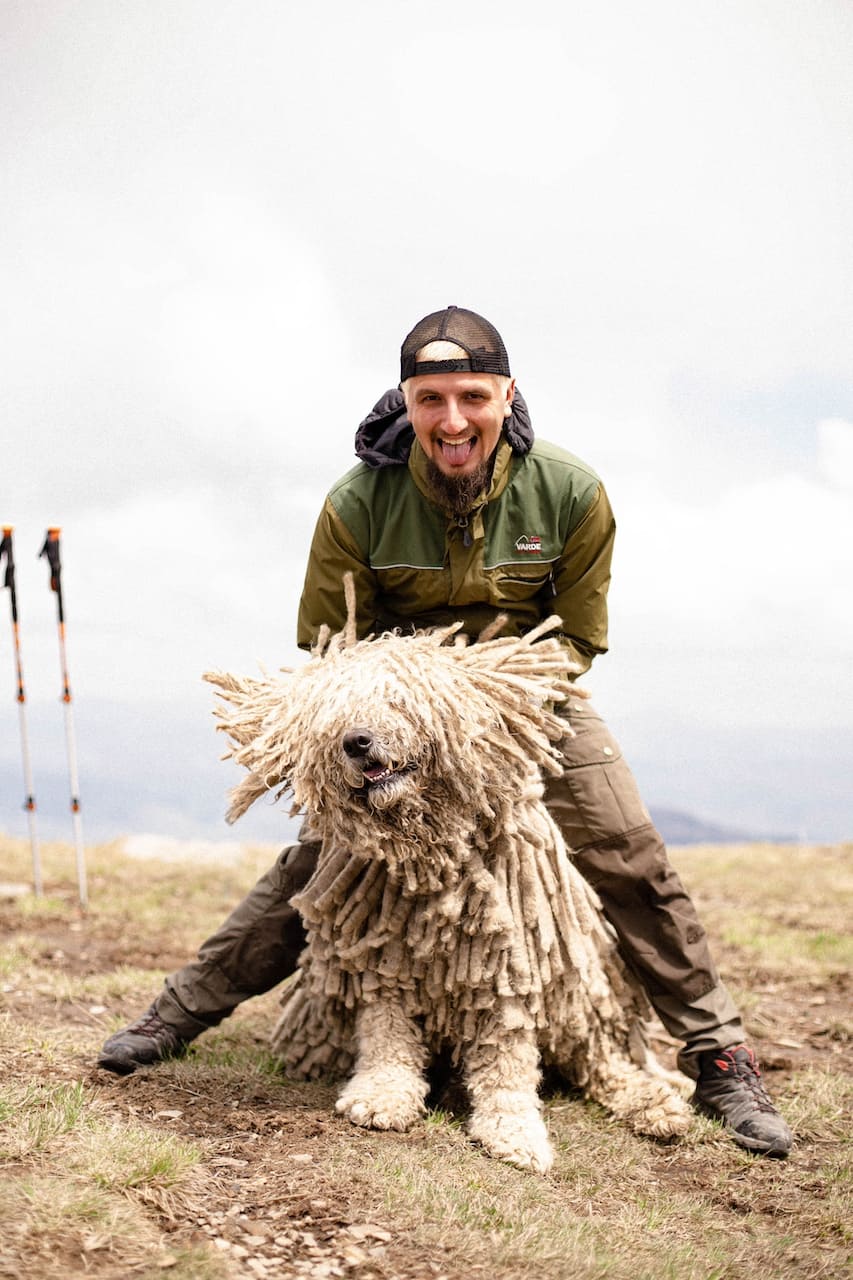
(458, 452)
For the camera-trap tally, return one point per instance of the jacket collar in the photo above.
(385, 437)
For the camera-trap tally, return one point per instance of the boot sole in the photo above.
(776, 1148)
(119, 1066)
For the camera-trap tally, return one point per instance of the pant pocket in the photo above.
(597, 796)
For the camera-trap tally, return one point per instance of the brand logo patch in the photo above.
(529, 542)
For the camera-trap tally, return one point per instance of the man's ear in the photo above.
(510, 394)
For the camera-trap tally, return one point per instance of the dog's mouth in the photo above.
(371, 768)
(379, 775)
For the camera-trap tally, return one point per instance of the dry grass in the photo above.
(777, 903)
(214, 1167)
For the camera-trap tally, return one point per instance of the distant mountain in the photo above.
(685, 828)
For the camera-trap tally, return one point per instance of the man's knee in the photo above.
(260, 942)
(297, 863)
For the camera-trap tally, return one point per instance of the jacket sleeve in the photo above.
(581, 581)
(334, 551)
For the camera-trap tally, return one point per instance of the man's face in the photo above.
(457, 417)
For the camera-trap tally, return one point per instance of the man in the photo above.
(455, 512)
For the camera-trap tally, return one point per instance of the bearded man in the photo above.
(455, 512)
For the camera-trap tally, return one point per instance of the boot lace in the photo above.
(740, 1062)
(151, 1024)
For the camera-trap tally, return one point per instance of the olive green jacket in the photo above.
(538, 542)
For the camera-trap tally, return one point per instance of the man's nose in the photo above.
(455, 421)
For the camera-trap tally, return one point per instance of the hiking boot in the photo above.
(729, 1089)
(145, 1041)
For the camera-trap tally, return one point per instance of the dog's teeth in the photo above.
(377, 774)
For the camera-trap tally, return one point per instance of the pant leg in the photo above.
(256, 948)
(616, 847)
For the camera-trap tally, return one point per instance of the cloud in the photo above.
(736, 606)
(835, 453)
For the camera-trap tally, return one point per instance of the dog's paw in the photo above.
(520, 1139)
(383, 1099)
(661, 1113)
(646, 1103)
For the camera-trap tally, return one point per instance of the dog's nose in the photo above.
(357, 742)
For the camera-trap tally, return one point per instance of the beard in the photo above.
(457, 494)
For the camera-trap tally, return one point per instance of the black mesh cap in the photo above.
(481, 340)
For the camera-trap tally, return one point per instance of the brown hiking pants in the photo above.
(615, 846)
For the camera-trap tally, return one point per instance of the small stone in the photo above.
(352, 1254)
(257, 1227)
(367, 1231)
(14, 890)
(302, 1157)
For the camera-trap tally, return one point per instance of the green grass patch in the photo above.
(123, 1157)
(34, 1115)
(778, 947)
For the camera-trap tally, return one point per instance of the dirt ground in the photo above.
(270, 1207)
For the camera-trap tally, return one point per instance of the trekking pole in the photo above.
(6, 549)
(51, 550)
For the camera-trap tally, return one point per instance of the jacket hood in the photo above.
(384, 438)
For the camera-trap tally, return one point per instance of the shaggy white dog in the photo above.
(445, 911)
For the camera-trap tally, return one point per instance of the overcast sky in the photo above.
(220, 219)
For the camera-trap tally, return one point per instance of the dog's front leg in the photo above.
(388, 1088)
(506, 1117)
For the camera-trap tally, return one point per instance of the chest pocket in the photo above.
(406, 592)
(519, 583)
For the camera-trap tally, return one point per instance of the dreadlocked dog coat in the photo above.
(444, 912)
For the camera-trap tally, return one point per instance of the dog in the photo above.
(445, 913)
